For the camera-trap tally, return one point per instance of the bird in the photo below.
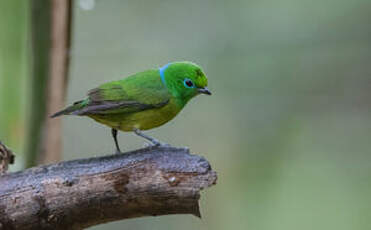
(142, 101)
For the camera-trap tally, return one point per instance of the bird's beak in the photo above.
(204, 90)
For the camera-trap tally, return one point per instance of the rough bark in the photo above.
(82, 193)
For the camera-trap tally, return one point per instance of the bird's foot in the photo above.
(161, 144)
(151, 141)
(114, 135)
(156, 143)
(117, 151)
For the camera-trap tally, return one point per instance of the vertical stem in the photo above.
(50, 30)
(40, 45)
(13, 67)
(56, 89)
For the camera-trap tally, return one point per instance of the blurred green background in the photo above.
(288, 128)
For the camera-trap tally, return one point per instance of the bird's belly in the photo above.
(142, 120)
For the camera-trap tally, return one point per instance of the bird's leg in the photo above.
(149, 138)
(114, 135)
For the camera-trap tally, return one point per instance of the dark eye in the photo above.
(188, 83)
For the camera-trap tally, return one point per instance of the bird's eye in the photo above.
(188, 83)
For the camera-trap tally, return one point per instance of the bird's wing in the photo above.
(125, 97)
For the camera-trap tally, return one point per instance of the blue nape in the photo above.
(162, 72)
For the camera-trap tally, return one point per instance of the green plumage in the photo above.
(144, 100)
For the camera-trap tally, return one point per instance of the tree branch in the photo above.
(82, 193)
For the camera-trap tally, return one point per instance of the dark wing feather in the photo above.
(113, 98)
(107, 107)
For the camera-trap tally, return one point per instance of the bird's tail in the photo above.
(70, 109)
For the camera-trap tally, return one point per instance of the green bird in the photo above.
(142, 101)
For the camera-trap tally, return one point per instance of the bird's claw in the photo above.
(118, 152)
(156, 144)
(147, 144)
(151, 141)
(162, 144)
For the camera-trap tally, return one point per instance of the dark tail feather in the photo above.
(70, 109)
(60, 113)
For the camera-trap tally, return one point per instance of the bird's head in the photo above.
(184, 80)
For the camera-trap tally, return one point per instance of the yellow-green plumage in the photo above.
(150, 92)
(144, 100)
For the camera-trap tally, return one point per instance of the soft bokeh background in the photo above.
(288, 128)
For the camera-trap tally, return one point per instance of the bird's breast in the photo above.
(151, 118)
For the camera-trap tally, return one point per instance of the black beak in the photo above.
(204, 90)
